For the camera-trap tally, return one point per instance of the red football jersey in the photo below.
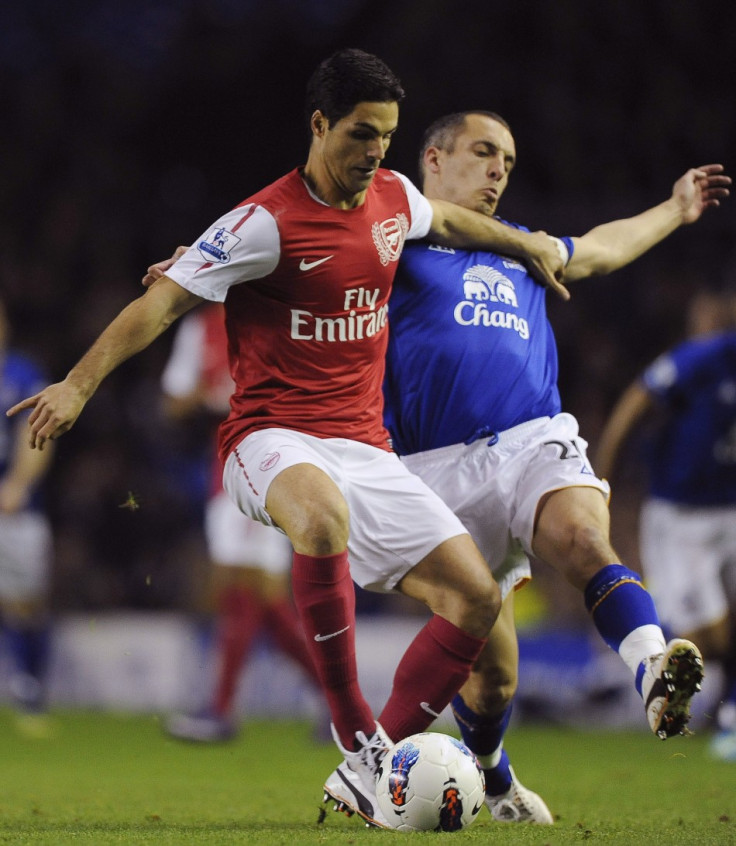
(306, 290)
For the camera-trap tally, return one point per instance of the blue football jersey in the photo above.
(471, 350)
(692, 455)
(19, 378)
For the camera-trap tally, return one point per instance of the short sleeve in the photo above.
(420, 207)
(240, 246)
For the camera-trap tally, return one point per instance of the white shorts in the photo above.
(494, 487)
(25, 555)
(395, 520)
(234, 540)
(684, 551)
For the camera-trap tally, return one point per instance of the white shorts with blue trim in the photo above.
(494, 486)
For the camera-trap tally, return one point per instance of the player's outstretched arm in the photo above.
(455, 226)
(57, 407)
(613, 245)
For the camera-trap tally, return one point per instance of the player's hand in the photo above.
(55, 410)
(700, 188)
(156, 271)
(546, 264)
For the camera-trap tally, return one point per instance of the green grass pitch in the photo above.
(116, 779)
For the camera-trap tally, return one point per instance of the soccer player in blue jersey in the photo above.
(25, 543)
(688, 519)
(473, 408)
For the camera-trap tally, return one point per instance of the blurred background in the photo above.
(130, 126)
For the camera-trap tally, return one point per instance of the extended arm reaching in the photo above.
(617, 243)
(57, 407)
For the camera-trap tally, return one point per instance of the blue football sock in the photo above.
(484, 736)
(619, 603)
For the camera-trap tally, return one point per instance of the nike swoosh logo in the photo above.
(425, 706)
(319, 638)
(308, 265)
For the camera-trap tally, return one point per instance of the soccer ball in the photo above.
(430, 782)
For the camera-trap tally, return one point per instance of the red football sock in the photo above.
(433, 669)
(325, 598)
(241, 612)
(283, 625)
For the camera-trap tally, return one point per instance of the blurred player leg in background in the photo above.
(25, 545)
(689, 555)
(251, 592)
(249, 563)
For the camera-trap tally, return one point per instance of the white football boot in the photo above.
(670, 681)
(352, 786)
(518, 804)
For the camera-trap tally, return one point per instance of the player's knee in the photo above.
(321, 528)
(580, 550)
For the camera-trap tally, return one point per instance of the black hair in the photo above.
(349, 77)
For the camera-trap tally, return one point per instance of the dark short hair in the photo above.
(349, 77)
(444, 131)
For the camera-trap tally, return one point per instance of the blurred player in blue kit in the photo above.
(473, 408)
(688, 518)
(25, 542)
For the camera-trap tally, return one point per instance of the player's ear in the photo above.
(432, 159)
(319, 123)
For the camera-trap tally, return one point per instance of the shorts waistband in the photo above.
(490, 439)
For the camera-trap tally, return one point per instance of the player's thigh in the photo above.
(456, 583)
(25, 559)
(287, 479)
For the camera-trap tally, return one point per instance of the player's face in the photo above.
(475, 174)
(352, 150)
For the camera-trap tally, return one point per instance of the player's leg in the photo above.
(482, 711)
(308, 506)
(403, 537)
(572, 535)
(25, 552)
(26, 631)
(456, 584)
(240, 611)
(683, 551)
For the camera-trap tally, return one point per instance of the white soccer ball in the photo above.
(430, 782)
